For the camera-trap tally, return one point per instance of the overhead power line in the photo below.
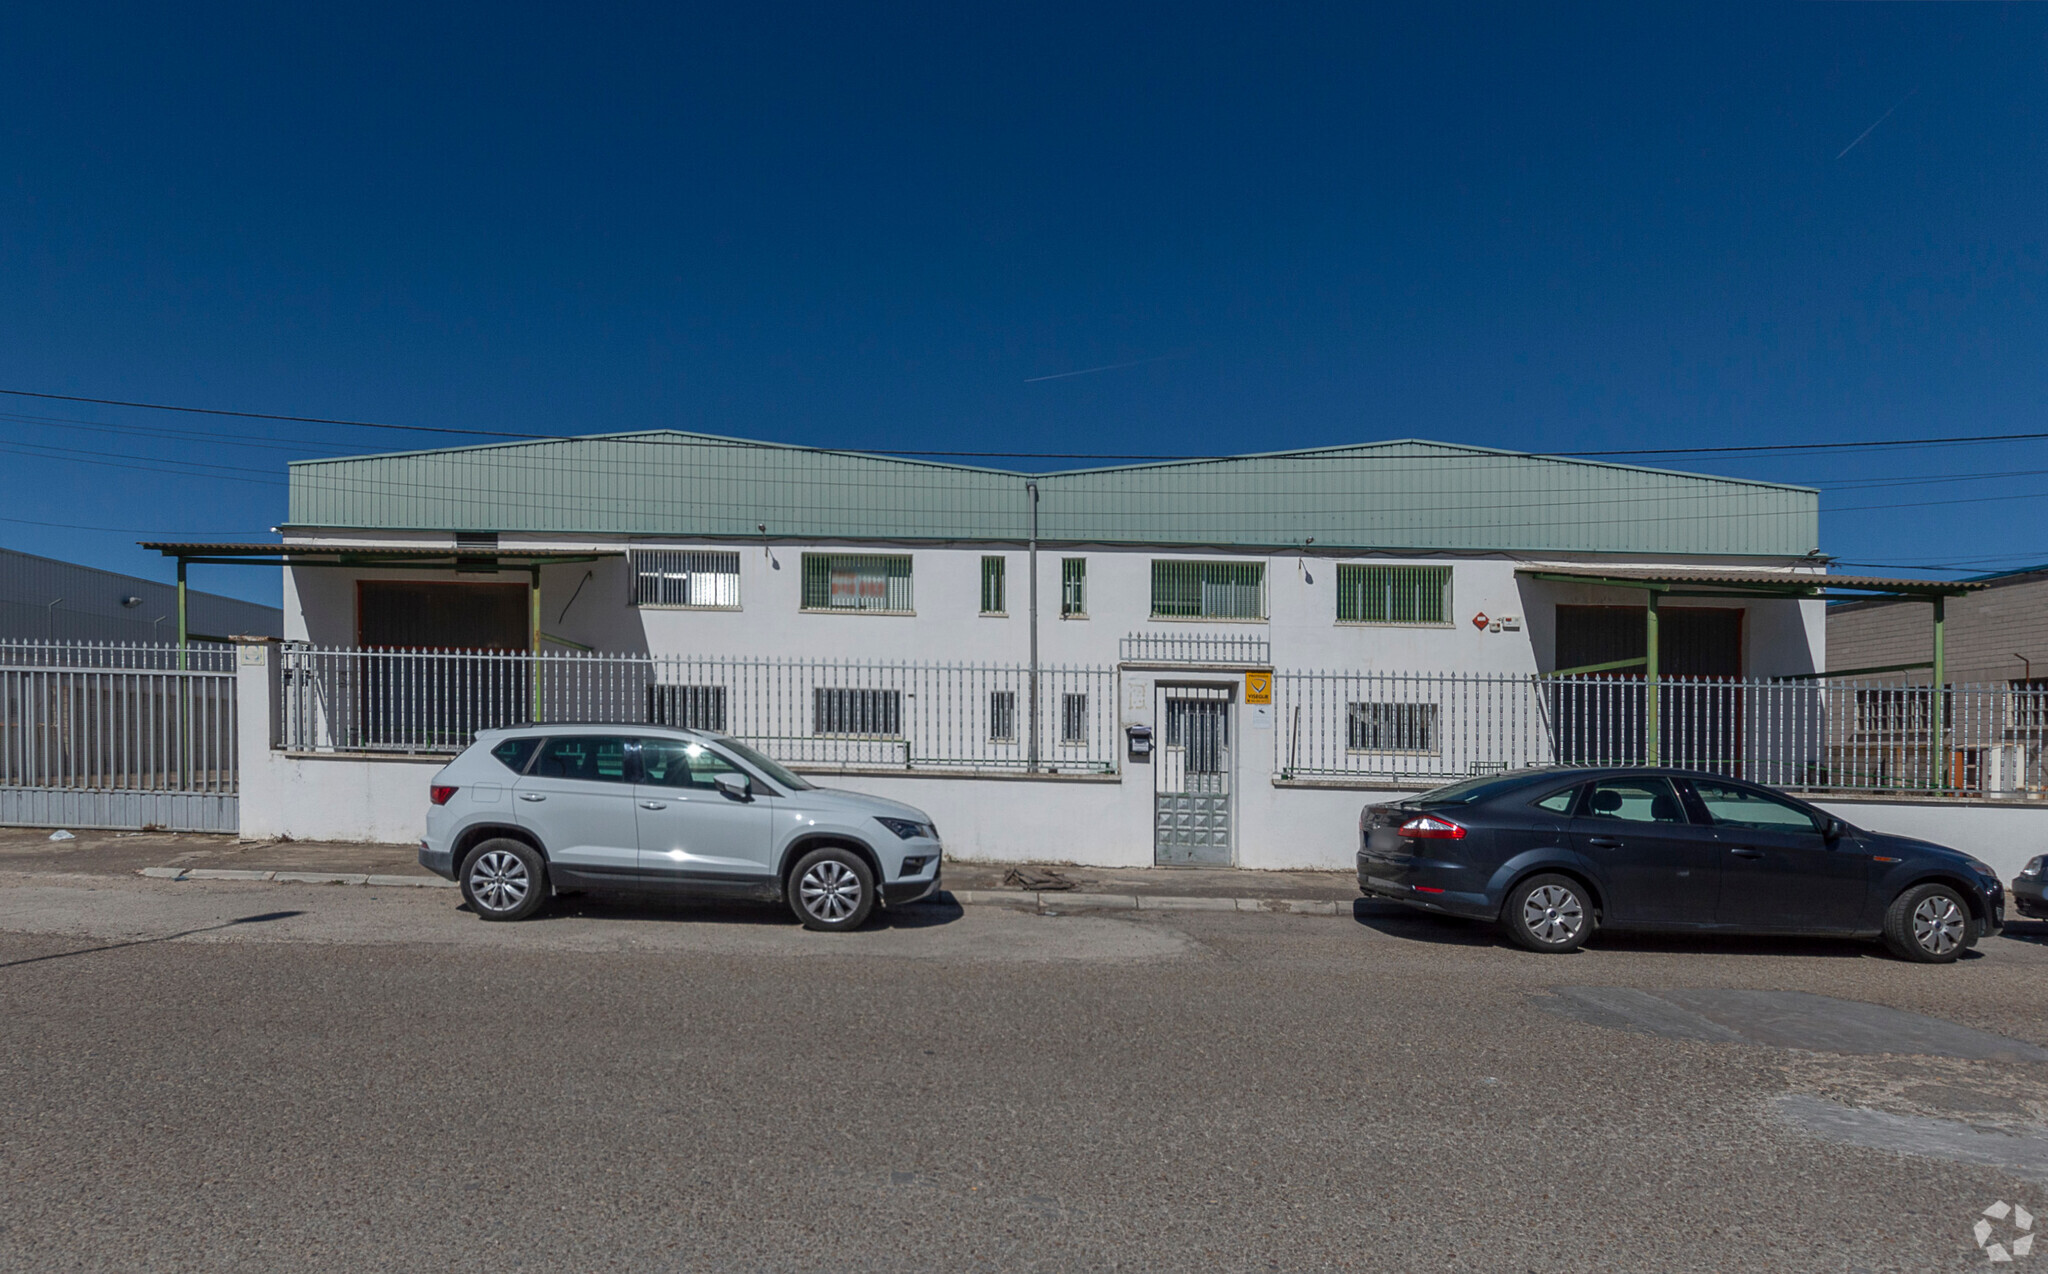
(1786, 448)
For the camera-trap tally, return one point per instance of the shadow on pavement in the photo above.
(1396, 921)
(940, 909)
(263, 918)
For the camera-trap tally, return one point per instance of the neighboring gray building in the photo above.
(45, 599)
(1998, 634)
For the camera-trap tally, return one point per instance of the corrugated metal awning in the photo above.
(1683, 583)
(373, 555)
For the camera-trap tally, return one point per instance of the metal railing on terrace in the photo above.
(1811, 735)
(925, 716)
(1225, 649)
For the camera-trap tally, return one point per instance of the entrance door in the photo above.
(1191, 777)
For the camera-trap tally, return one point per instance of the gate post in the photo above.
(257, 799)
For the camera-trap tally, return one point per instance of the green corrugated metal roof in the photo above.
(1406, 494)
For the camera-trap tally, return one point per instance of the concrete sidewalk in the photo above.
(195, 856)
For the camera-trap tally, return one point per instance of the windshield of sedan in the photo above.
(770, 768)
(1473, 791)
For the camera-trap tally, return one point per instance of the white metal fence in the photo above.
(106, 734)
(925, 716)
(1825, 735)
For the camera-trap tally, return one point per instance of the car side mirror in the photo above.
(736, 786)
(1835, 829)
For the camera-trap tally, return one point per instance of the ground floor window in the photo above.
(1002, 716)
(692, 707)
(1390, 727)
(1074, 718)
(857, 713)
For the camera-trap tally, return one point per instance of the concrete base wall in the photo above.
(335, 798)
(1088, 822)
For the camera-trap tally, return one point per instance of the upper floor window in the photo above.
(857, 581)
(1073, 588)
(992, 586)
(1208, 590)
(686, 577)
(1393, 594)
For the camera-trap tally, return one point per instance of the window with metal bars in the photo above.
(2027, 704)
(992, 586)
(1393, 594)
(1390, 727)
(1905, 711)
(686, 577)
(858, 713)
(1073, 588)
(1073, 718)
(1002, 716)
(1208, 590)
(692, 707)
(857, 581)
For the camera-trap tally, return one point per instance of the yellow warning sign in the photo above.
(1258, 687)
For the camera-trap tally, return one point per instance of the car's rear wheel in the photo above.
(504, 879)
(1548, 913)
(832, 889)
(1928, 924)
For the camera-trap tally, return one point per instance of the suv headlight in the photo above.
(909, 828)
(1982, 867)
(2033, 867)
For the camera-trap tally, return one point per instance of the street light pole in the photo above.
(1032, 763)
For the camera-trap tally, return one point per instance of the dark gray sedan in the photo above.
(1552, 855)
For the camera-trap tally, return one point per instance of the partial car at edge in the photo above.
(1554, 855)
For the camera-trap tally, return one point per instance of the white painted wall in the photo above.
(1781, 636)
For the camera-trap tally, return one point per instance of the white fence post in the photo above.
(262, 799)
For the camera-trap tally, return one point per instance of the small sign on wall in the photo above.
(1258, 687)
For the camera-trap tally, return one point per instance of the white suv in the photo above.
(531, 810)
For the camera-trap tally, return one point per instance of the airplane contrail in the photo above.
(1106, 367)
(1880, 119)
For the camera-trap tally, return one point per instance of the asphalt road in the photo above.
(312, 1077)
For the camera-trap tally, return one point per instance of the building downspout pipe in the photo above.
(1031, 763)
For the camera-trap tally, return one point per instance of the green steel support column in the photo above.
(1652, 750)
(533, 619)
(184, 632)
(1940, 697)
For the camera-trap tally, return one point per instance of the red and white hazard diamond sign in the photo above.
(1480, 621)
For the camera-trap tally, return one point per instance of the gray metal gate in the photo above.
(1191, 777)
(116, 735)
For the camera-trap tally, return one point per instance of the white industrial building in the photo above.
(1288, 629)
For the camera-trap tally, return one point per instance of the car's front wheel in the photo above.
(504, 879)
(1928, 924)
(832, 889)
(1548, 913)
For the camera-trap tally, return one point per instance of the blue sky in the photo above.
(1541, 227)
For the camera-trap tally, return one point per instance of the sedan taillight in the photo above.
(441, 793)
(1429, 827)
